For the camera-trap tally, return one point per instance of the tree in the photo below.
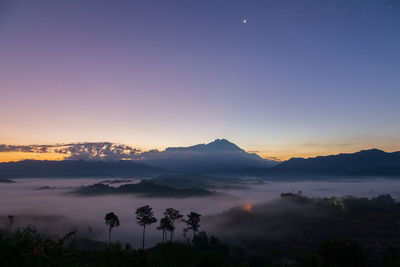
(165, 225)
(185, 231)
(11, 219)
(193, 222)
(342, 252)
(145, 216)
(112, 221)
(173, 215)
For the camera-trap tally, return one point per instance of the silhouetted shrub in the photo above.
(342, 252)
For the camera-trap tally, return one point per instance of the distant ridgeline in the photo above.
(372, 162)
(75, 168)
(218, 157)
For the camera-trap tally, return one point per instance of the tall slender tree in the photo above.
(11, 219)
(185, 231)
(193, 222)
(111, 221)
(174, 216)
(165, 225)
(145, 216)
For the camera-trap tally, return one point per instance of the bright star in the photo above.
(244, 21)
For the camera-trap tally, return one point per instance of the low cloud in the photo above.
(85, 151)
(101, 151)
(27, 148)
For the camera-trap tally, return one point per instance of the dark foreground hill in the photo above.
(298, 223)
(291, 231)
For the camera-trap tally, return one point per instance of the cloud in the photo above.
(28, 148)
(84, 151)
(272, 158)
(326, 145)
(102, 151)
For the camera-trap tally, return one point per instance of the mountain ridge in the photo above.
(75, 168)
(364, 162)
(219, 156)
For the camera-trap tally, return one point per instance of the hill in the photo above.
(144, 188)
(371, 162)
(296, 222)
(75, 168)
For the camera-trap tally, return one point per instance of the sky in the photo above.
(280, 78)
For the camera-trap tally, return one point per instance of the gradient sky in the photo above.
(300, 78)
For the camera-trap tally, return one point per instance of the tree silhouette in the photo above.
(145, 216)
(185, 231)
(193, 222)
(342, 252)
(112, 221)
(11, 219)
(165, 225)
(173, 215)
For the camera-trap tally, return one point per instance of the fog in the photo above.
(57, 210)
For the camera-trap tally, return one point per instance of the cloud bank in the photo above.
(81, 151)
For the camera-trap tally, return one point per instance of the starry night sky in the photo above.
(283, 78)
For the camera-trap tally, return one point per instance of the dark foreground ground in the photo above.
(291, 231)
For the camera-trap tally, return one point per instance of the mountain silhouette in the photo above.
(218, 145)
(215, 156)
(219, 156)
(75, 168)
(373, 162)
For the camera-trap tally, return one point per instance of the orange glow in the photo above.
(248, 207)
(299, 151)
(273, 152)
(17, 156)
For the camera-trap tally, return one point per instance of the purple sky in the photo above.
(301, 77)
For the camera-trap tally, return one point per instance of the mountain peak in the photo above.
(223, 145)
(218, 145)
(219, 154)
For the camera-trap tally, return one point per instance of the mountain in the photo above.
(219, 155)
(215, 156)
(218, 145)
(75, 168)
(366, 162)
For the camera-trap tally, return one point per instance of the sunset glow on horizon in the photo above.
(280, 78)
(280, 154)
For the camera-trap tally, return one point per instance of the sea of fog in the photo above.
(55, 210)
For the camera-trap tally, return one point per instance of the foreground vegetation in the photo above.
(28, 247)
(324, 232)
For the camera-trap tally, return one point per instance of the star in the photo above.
(244, 21)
